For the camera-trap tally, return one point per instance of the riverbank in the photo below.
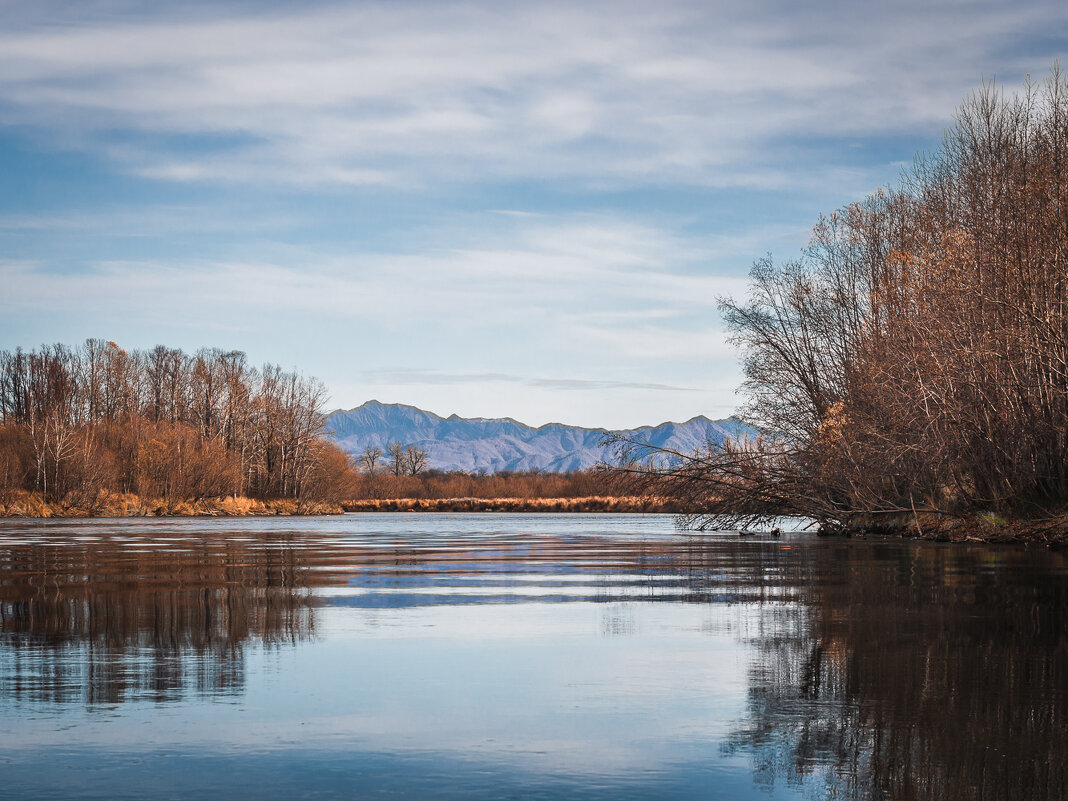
(1051, 531)
(33, 504)
(592, 503)
(29, 504)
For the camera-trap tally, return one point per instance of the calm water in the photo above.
(512, 656)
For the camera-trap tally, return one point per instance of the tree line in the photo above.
(432, 484)
(914, 360)
(76, 422)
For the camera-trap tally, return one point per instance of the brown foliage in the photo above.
(16, 458)
(173, 462)
(437, 485)
(330, 477)
(78, 424)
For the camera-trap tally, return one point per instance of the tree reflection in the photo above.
(881, 669)
(914, 672)
(116, 620)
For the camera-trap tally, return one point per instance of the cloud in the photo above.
(505, 204)
(593, 384)
(438, 377)
(416, 94)
(577, 305)
(549, 275)
(404, 377)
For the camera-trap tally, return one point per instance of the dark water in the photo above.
(547, 656)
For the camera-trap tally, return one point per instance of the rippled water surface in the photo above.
(523, 656)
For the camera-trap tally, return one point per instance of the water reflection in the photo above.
(549, 656)
(144, 612)
(915, 671)
(107, 620)
(560, 569)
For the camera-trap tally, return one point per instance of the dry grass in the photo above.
(32, 504)
(17, 503)
(235, 506)
(592, 503)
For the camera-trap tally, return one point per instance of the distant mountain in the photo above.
(493, 445)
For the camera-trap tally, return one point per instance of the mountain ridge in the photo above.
(496, 444)
(455, 416)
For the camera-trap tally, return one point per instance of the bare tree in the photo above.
(369, 459)
(396, 458)
(414, 460)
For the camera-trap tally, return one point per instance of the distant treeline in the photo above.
(437, 485)
(913, 365)
(592, 503)
(77, 423)
(590, 490)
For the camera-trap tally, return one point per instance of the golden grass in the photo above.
(592, 503)
(236, 506)
(32, 504)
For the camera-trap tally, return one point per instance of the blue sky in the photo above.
(474, 207)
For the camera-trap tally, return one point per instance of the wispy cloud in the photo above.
(544, 274)
(593, 384)
(411, 93)
(438, 377)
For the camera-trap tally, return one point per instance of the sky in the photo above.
(482, 208)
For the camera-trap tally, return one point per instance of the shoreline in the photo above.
(27, 505)
(1051, 532)
(33, 506)
(590, 503)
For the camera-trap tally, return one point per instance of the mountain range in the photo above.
(493, 445)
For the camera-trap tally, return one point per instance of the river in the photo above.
(523, 656)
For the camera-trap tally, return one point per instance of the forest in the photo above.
(910, 368)
(82, 425)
